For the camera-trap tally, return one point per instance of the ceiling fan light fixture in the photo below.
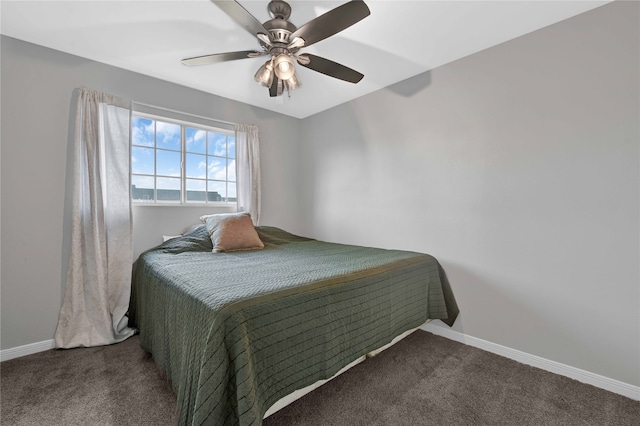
(280, 87)
(293, 82)
(283, 66)
(264, 75)
(281, 40)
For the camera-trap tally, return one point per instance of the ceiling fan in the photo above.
(281, 41)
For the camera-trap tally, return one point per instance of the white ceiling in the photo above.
(398, 40)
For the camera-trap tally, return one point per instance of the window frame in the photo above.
(184, 202)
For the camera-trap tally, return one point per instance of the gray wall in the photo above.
(37, 95)
(517, 168)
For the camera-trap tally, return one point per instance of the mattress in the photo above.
(236, 332)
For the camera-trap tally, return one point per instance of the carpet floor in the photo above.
(422, 380)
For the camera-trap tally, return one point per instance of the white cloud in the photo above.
(232, 170)
(198, 137)
(217, 171)
(168, 134)
(142, 132)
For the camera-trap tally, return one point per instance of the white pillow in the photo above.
(204, 217)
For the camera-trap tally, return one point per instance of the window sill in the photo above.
(220, 206)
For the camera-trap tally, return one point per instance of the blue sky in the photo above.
(199, 165)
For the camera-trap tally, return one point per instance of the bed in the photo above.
(237, 331)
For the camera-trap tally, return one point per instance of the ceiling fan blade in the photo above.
(220, 57)
(241, 16)
(330, 68)
(332, 22)
(273, 90)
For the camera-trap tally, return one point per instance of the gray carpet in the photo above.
(109, 385)
(423, 380)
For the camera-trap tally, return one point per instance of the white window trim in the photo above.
(199, 124)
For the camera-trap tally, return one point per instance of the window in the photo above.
(181, 163)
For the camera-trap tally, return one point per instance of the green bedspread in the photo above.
(235, 332)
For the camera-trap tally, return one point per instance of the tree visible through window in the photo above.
(178, 162)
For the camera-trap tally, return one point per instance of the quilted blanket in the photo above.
(235, 332)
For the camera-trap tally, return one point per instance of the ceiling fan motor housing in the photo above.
(280, 30)
(279, 9)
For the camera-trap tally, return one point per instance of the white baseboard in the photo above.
(615, 386)
(31, 348)
(612, 385)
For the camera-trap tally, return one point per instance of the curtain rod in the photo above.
(183, 113)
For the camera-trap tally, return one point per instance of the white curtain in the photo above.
(98, 285)
(248, 165)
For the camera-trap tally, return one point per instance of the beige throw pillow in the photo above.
(232, 232)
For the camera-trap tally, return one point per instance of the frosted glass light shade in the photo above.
(264, 75)
(284, 67)
(293, 82)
